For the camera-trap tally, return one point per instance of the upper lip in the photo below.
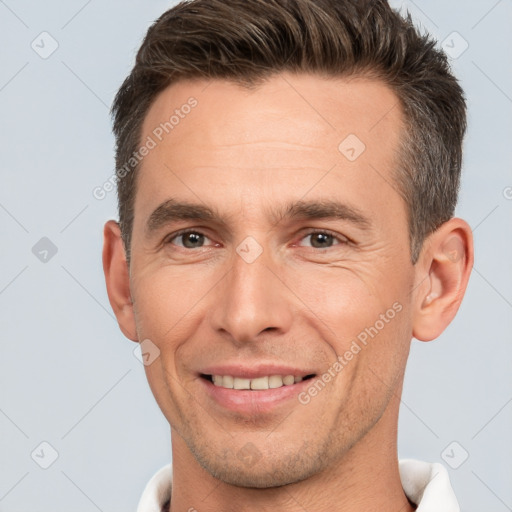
(253, 371)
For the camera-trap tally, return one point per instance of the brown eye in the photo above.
(189, 239)
(321, 240)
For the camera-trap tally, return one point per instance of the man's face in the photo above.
(277, 281)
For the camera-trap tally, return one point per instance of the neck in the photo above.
(366, 478)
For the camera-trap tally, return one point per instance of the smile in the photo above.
(258, 383)
(256, 396)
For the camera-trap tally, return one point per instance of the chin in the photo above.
(262, 478)
(261, 472)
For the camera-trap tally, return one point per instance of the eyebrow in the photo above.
(173, 211)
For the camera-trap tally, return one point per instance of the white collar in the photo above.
(426, 484)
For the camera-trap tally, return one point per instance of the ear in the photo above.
(442, 274)
(117, 278)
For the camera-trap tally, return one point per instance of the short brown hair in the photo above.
(247, 41)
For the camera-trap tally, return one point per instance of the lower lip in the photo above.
(253, 402)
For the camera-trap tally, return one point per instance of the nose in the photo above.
(252, 298)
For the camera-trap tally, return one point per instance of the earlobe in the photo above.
(117, 279)
(443, 271)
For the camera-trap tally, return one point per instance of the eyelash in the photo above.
(341, 239)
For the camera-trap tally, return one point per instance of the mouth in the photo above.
(254, 397)
(254, 389)
(266, 382)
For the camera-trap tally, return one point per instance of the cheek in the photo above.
(365, 319)
(167, 391)
(165, 301)
(348, 301)
(155, 377)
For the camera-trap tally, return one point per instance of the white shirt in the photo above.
(426, 484)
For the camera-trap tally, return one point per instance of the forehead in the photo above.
(304, 108)
(292, 127)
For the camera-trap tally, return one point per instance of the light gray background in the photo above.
(70, 378)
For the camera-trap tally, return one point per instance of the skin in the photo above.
(245, 154)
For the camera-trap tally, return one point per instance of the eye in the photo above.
(189, 239)
(324, 239)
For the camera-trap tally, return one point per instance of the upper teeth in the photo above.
(268, 382)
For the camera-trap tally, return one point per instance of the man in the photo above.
(287, 177)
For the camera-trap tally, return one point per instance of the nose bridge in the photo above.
(252, 299)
